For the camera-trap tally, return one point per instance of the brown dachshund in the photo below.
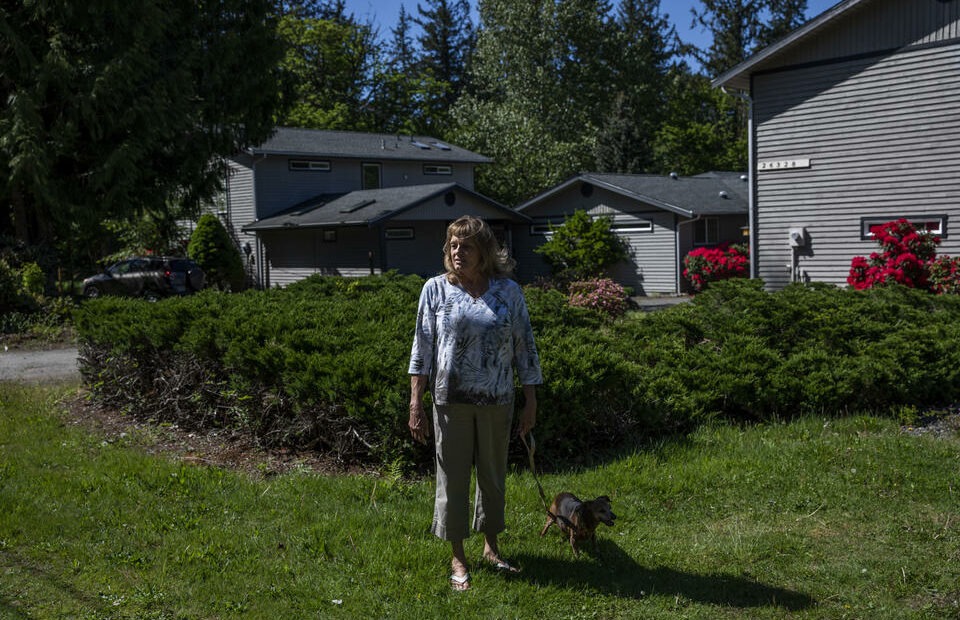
(579, 519)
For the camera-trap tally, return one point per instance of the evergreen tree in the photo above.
(644, 42)
(212, 249)
(738, 28)
(446, 45)
(734, 26)
(785, 17)
(406, 98)
(112, 110)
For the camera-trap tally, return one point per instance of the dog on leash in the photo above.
(578, 520)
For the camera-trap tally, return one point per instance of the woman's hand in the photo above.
(419, 425)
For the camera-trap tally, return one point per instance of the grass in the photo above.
(845, 518)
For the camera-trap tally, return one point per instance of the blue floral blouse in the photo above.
(470, 347)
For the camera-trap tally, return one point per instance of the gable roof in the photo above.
(358, 145)
(739, 76)
(711, 193)
(366, 207)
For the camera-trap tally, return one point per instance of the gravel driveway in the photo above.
(40, 365)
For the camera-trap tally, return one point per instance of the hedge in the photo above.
(322, 364)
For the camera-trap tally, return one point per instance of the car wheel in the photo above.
(151, 296)
(92, 292)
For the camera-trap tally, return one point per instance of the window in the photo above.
(936, 224)
(330, 236)
(370, 176)
(635, 226)
(398, 233)
(433, 169)
(706, 231)
(308, 165)
(540, 229)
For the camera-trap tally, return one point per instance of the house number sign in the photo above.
(783, 164)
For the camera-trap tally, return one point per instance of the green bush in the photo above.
(9, 287)
(582, 247)
(211, 247)
(322, 364)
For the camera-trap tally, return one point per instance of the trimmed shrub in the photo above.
(211, 247)
(322, 364)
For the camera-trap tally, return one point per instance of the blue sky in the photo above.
(384, 14)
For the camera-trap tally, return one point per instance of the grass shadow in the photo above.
(611, 571)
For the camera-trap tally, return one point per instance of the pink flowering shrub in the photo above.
(601, 294)
(705, 265)
(907, 257)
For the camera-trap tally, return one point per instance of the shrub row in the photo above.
(322, 364)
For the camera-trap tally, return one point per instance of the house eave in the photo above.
(738, 78)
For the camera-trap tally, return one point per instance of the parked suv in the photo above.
(150, 277)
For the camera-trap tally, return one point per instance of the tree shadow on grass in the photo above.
(612, 571)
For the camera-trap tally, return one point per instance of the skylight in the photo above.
(357, 206)
(420, 145)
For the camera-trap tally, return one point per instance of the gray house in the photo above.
(348, 203)
(855, 120)
(662, 218)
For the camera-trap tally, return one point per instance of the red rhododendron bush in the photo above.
(705, 265)
(907, 257)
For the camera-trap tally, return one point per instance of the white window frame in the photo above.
(634, 226)
(308, 165)
(939, 221)
(437, 169)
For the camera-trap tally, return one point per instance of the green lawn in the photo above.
(845, 518)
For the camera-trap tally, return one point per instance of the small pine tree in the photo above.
(211, 246)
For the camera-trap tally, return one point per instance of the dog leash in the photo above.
(531, 447)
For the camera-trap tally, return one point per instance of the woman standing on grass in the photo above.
(473, 331)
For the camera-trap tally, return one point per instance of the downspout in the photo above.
(677, 244)
(260, 253)
(751, 176)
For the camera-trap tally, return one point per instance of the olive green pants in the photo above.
(470, 437)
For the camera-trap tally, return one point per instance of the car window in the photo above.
(138, 265)
(120, 268)
(181, 265)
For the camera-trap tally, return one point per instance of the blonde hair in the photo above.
(494, 260)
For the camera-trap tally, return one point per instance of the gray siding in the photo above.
(422, 255)
(279, 188)
(883, 138)
(879, 26)
(297, 254)
(652, 266)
